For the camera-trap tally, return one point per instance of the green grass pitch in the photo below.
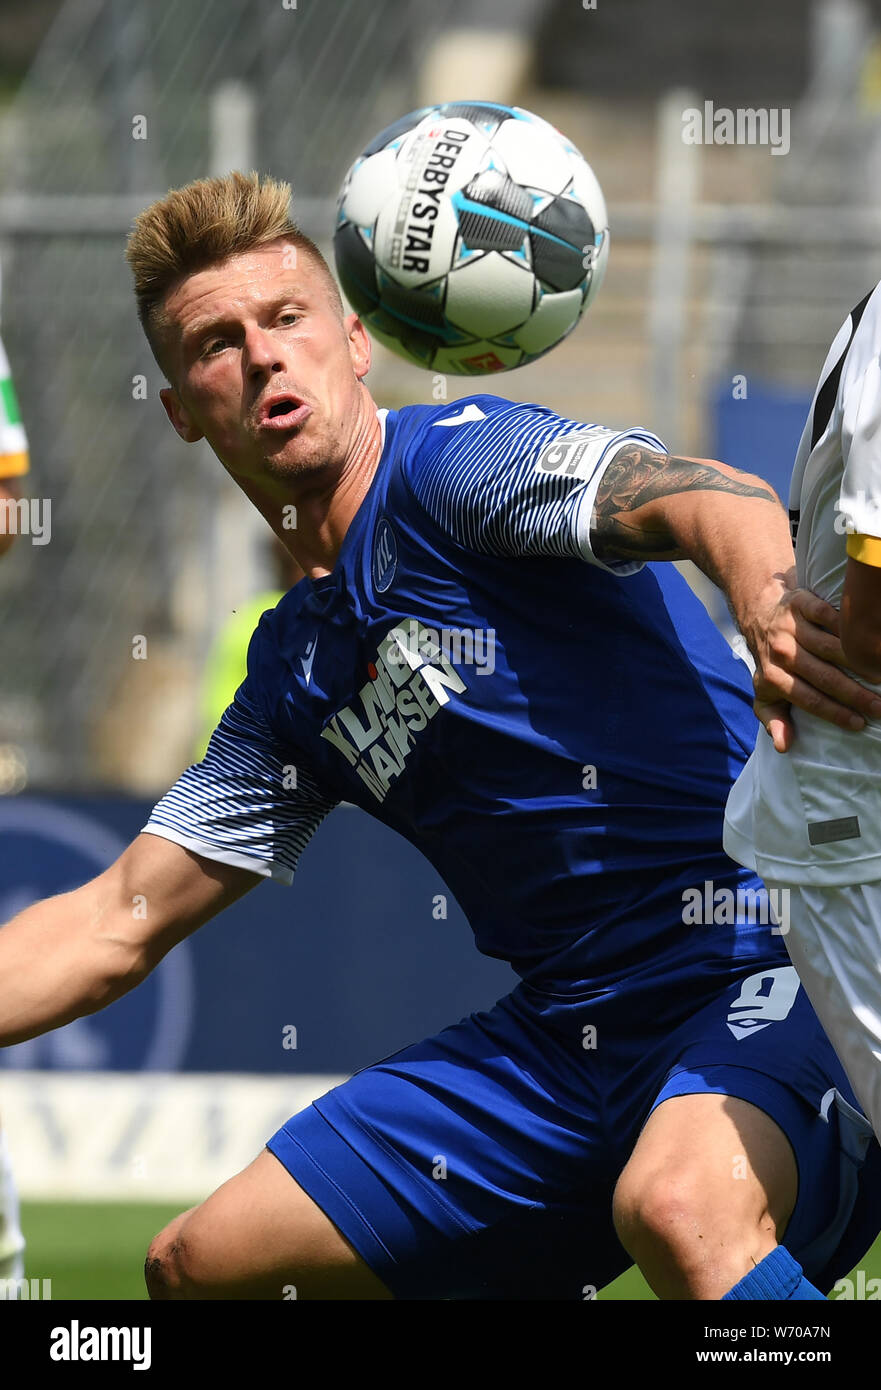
(94, 1250)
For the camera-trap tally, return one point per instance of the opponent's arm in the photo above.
(652, 506)
(73, 954)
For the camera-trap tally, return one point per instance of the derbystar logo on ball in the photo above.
(433, 172)
(471, 237)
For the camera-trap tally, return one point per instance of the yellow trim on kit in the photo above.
(14, 465)
(864, 548)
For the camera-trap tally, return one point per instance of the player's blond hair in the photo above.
(203, 223)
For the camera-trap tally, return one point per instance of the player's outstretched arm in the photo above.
(652, 506)
(73, 954)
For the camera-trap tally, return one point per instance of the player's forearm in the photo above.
(74, 954)
(653, 506)
(741, 541)
(58, 962)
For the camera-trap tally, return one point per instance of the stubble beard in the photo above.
(310, 456)
(329, 451)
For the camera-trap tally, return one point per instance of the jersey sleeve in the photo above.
(518, 481)
(13, 442)
(245, 803)
(860, 407)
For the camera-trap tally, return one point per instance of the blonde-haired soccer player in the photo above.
(13, 465)
(561, 1166)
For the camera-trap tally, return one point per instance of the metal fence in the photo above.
(122, 102)
(723, 261)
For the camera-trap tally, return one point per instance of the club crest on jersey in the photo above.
(385, 556)
(409, 680)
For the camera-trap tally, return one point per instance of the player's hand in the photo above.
(796, 647)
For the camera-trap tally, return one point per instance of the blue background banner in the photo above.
(760, 434)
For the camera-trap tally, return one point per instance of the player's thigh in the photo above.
(258, 1236)
(706, 1194)
(833, 938)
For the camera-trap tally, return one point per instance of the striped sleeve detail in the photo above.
(235, 806)
(520, 482)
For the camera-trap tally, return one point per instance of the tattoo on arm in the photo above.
(638, 475)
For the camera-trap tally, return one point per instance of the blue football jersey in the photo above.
(557, 735)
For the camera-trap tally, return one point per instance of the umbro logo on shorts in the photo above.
(764, 998)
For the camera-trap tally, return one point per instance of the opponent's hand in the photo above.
(795, 643)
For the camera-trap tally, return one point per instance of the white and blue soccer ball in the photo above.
(470, 237)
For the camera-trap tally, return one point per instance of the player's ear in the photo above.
(179, 416)
(359, 345)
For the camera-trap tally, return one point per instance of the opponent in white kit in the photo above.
(810, 821)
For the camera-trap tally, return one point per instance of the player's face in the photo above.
(263, 365)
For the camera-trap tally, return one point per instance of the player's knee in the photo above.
(680, 1230)
(669, 1212)
(654, 1210)
(169, 1268)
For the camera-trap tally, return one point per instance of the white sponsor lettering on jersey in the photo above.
(409, 680)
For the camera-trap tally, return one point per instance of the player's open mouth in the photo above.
(283, 413)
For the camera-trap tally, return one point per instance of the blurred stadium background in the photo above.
(731, 269)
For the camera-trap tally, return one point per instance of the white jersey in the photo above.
(813, 815)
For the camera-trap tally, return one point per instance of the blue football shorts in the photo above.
(481, 1163)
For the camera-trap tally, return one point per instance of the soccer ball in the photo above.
(470, 237)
